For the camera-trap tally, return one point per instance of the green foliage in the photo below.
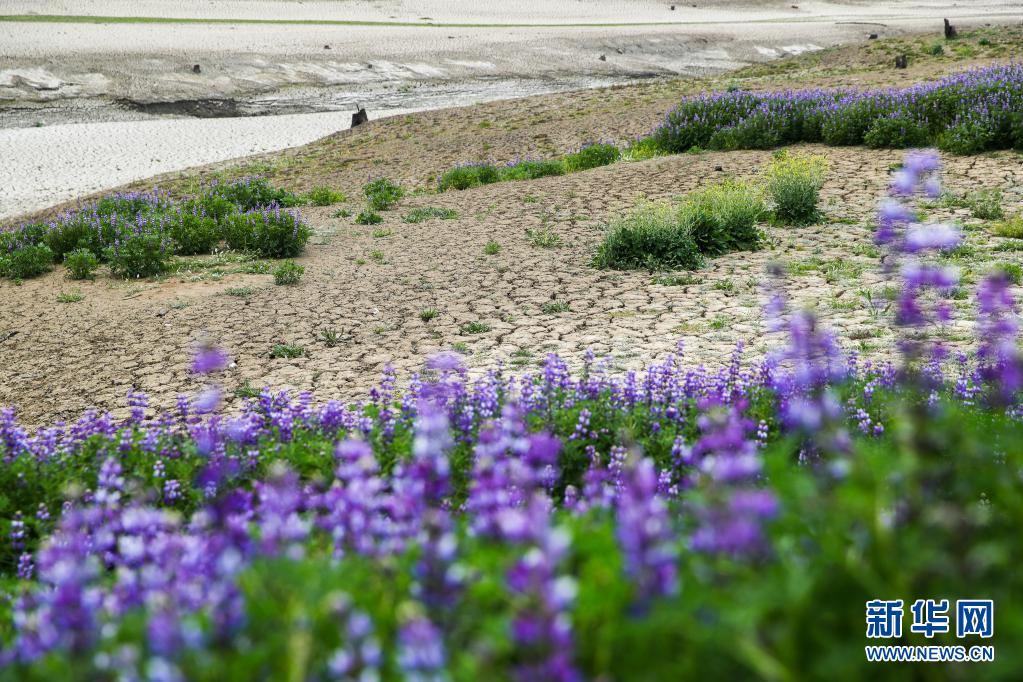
(1013, 271)
(650, 237)
(642, 149)
(428, 314)
(418, 215)
(270, 233)
(27, 262)
(288, 272)
(287, 351)
(1011, 227)
(325, 196)
(492, 248)
(896, 132)
(543, 237)
(193, 233)
(382, 194)
(368, 218)
(249, 194)
(723, 217)
(474, 328)
(794, 182)
(140, 253)
(81, 264)
(468, 176)
(592, 156)
(70, 297)
(531, 170)
(986, 204)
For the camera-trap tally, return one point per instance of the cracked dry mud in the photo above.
(370, 284)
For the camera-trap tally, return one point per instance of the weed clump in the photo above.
(81, 264)
(287, 273)
(592, 155)
(794, 182)
(651, 237)
(382, 194)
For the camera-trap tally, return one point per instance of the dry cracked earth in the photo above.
(371, 284)
(362, 302)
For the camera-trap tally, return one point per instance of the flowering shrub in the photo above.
(193, 233)
(142, 249)
(670, 523)
(531, 170)
(965, 113)
(467, 176)
(248, 194)
(269, 232)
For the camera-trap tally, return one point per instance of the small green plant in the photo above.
(325, 196)
(368, 218)
(986, 204)
(474, 328)
(341, 213)
(794, 182)
(418, 215)
(81, 264)
(428, 314)
(330, 337)
(1011, 227)
(1013, 271)
(936, 50)
(725, 285)
(239, 292)
(651, 237)
(287, 351)
(492, 248)
(380, 233)
(543, 237)
(676, 280)
(377, 255)
(641, 150)
(288, 273)
(592, 156)
(382, 194)
(70, 297)
(554, 307)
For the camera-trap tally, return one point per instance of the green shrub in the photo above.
(81, 264)
(896, 132)
(936, 50)
(382, 194)
(193, 233)
(252, 193)
(1012, 227)
(269, 233)
(368, 218)
(986, 204)
(723, 217)
(968, 137)
(794, 182)
(1011, 270)
(140, 252)
(213, 205)
(592, 156)
(642, 149)
(418, 215)
(288, 272)
(650, 237)
(325, 196)
(287, 351)
(27, 262)
(531, 170)
(471, 175)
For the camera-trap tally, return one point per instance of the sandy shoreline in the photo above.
(86, 106)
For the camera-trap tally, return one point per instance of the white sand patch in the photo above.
(43, 166)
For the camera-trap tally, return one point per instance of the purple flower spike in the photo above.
(209, 359)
